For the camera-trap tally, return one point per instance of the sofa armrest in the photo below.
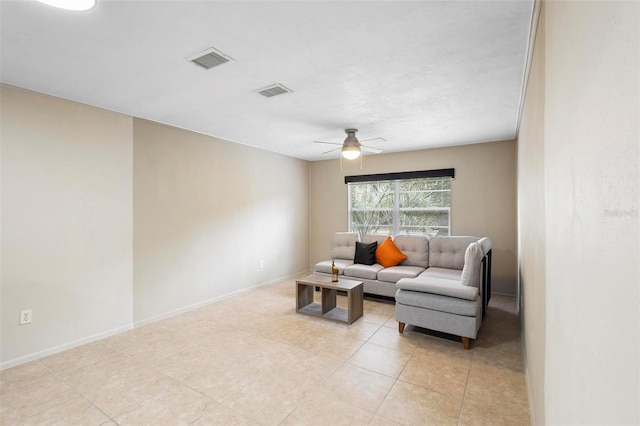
(472, 270)
(441, 286)
(485, 244)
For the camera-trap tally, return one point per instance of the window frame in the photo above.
(396, 210)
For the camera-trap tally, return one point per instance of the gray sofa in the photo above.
(377, 280)
(443, 285)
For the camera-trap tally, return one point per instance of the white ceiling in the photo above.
(419, 73)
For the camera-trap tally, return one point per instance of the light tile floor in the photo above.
(251, 360)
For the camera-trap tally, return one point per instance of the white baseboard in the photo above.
(527, 381)
(65, 346)
(213, 300)
(70, 345)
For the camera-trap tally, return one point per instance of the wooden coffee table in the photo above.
(327, 308)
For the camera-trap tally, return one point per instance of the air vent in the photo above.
(210, 58)
(274, 90)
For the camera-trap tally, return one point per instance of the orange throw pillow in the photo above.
(388, 254)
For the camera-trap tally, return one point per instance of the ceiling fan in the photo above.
(351, 147)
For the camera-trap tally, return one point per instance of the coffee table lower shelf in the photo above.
(336, 314)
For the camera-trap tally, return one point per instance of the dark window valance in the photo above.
(401, 175)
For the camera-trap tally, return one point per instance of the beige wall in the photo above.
(206, 212)
(108, 221)
(592, 199)
(66, 223)
(579, 188)
(483, 198)
(531, 227)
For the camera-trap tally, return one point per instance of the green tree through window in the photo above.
(407, 206)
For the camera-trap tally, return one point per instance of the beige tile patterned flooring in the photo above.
(251, 360)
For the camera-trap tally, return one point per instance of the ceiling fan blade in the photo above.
(329, 143)
(373, 139)
(371, 149)
(332, 150)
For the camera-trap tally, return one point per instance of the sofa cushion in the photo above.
(388, 254)
(472, 261)
(325, 266)
(416, 247)
(394, 273)
(437, 302)
(365, 253)
(448, 252)
(367, 272)
(343, 245)
(441, 286)
(369, 238)
(451, 274)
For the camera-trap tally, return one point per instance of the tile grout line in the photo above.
(466, 383)
(77, 393)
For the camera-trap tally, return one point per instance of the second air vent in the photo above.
(210, 58)
(274, 90)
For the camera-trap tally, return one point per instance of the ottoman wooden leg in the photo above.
(466, 342)
(400, 327)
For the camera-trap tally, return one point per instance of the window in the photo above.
(401, 204)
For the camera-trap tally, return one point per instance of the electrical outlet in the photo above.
(25, 317)
(261, 264)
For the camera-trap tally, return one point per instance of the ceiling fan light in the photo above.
(71, 4)
(351, 152)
